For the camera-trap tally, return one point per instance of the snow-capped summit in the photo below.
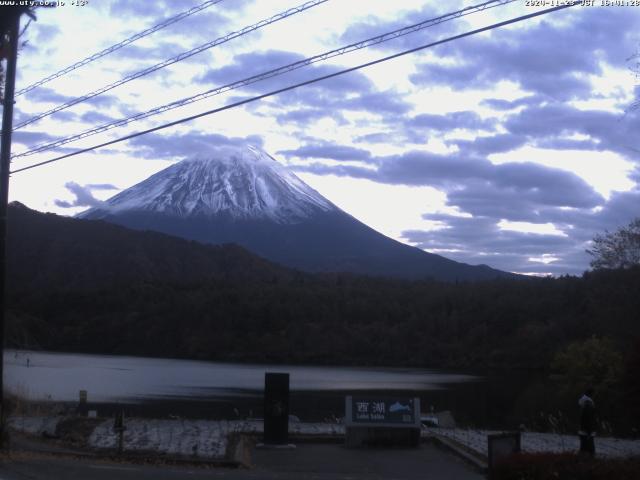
(241, 183)
(244, 196)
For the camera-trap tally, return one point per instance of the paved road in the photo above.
(308, 461)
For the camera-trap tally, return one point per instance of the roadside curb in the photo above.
(460, 450)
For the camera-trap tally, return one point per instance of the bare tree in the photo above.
(619, 249)
(634, 67)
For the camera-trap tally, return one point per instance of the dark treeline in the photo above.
(89, 286)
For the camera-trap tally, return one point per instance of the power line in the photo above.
(301, 84)
(178, 58)
(268, 74)
(117, 46)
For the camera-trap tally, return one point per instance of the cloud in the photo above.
(42, 34)
(474, 184)
(484, 146)
(103, 101)
(95, 117)
(500, 104)
(372, 26)
(352, 91)
(161, 50)
(188, 145)
(155, 10)
(249, 64)
(83, 195)
(158, 11)
(377, 137)
(48, 95)
(550, 125)
(450, 121)
(328, 151)
(480, 240)
(487, 194)
(31, 138)
(416, 129)
(542, 58)
(306, 116)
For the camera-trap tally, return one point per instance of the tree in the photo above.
(594, 361)
(619, 249)
(635, 68)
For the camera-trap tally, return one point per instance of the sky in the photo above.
(511, 148)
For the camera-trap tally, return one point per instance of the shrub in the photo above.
(566, 466)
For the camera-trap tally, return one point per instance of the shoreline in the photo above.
(216, 440)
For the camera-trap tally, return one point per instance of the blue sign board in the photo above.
(383, 411)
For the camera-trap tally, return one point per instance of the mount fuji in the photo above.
(246, 197)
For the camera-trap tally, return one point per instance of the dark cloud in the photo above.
(371, 27)
(476, 185)
(249, 64)
(417, 129)
(306, 116)
(568, 144)
(31, 138)
(373, 138)
(188, 145)
(204, 26)
(352, 91)
(488, 194)
(338, 170)
(158, 10)
(499, 104)
(549, 125)
(466, 119)
(160, 51)
(484, 146)
(480, 240)
(48, 95)
(66, 116)
(95, 117)
(42, 34)
(83, 195)
(542, 58)
(104, 101)
(385, 102)
(328, 151)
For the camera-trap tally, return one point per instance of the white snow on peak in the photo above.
(243, 182)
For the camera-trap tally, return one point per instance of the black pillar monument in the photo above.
(276, 409)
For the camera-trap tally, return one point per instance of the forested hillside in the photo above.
(88, 286)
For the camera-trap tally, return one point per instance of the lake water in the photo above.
(154, 386)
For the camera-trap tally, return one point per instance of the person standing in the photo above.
(587, 430)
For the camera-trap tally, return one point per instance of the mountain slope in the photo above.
(244, 184)
(248, 198)
(89, 286)
(49, 252)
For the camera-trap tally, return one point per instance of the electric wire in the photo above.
(177, 58)
(298, 85)
(266, 75)
(119, 45)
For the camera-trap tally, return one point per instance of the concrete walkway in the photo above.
(322, 461)
(309, 461)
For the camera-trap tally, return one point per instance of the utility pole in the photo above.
(13, 31)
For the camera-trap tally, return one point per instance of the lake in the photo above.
(161, 387)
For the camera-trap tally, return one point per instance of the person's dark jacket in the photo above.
(587, 416)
